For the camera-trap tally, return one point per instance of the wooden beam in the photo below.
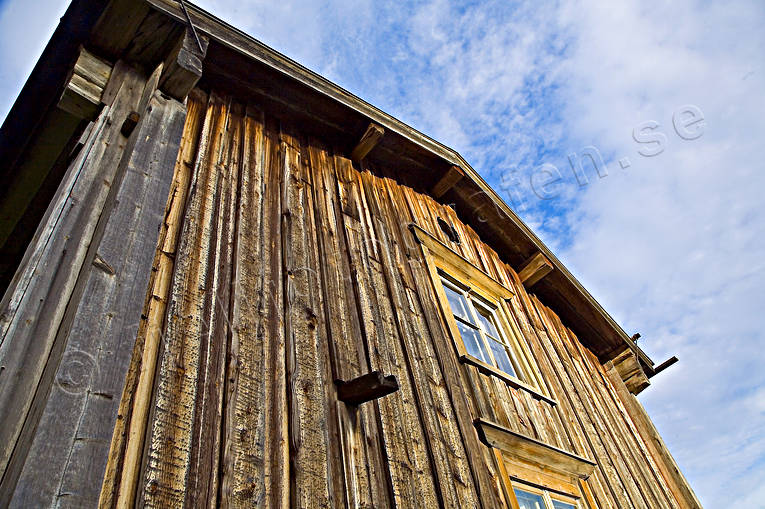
(629, 369)
(117, 26)
(38, 297)
(183, 66)
(453, 175)
(80, 410)
(366, 388)
(661, 367)
(526, 448)
(534, 269)
(82, 95)
(372, 137)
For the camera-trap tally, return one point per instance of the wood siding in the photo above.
(291, 270)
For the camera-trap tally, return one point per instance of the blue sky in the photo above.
(673, 245)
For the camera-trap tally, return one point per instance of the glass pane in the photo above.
(528, 500)
(458, 304)
(557, 504)
(487, 322)
(502, 357)
(472, 340)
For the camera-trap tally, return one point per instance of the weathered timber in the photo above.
(309, 406)
(183, 66)
(187, 335)
(280, 281)
(533, 270)
(629, 368)
(365, 480)
(664, 365)
(82, 404)
(478, 458)
(368, 141)
(453, 175)
(116, 27)
(82, 95)
(683, 493)
(410, 470)
(26, 194)
(533, 450)
(34, 305)
(127, 445)
(366, 388)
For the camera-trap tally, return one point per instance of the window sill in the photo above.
(510, 380)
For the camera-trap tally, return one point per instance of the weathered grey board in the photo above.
(65, 463)
(34, 305)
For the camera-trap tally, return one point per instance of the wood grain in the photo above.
(281, 269)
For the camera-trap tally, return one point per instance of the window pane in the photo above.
(528, 500)
(472, 340)
(487, 322)
(502, 357)
(557, 504)
(458, 304)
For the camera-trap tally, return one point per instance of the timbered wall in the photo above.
(282, 268)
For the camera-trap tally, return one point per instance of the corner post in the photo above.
(69, 325)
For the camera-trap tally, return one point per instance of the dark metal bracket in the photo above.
(193, 28)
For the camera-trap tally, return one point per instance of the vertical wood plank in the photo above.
(124, 462)
(410, 468)
(202, 480)
(33, 308)
(176, 391)
(311, 482)
(66, 461)
(441, 434)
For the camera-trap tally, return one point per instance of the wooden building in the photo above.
(227, 281)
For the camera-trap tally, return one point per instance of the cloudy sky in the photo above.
(663, 223)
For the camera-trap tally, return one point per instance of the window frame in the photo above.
(548, 496)
(475, 304)
(441, 259)
(519, 458)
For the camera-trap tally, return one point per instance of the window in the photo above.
(478, 328)
(474, 306)
(529, 497)
(536, 475)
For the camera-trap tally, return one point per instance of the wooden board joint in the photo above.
(631, 371)
(183, 66)
(85, 87)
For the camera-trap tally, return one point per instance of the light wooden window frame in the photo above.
(524, 460)
(444, 263)
(548, 496)
(478, 308)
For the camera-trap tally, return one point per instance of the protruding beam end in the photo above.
(82, 95)
(534, 269)
(453, 175)
(366, 388)
(371, 138)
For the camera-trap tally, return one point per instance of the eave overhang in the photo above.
(240, 64)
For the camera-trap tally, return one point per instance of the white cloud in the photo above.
(674, 246)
